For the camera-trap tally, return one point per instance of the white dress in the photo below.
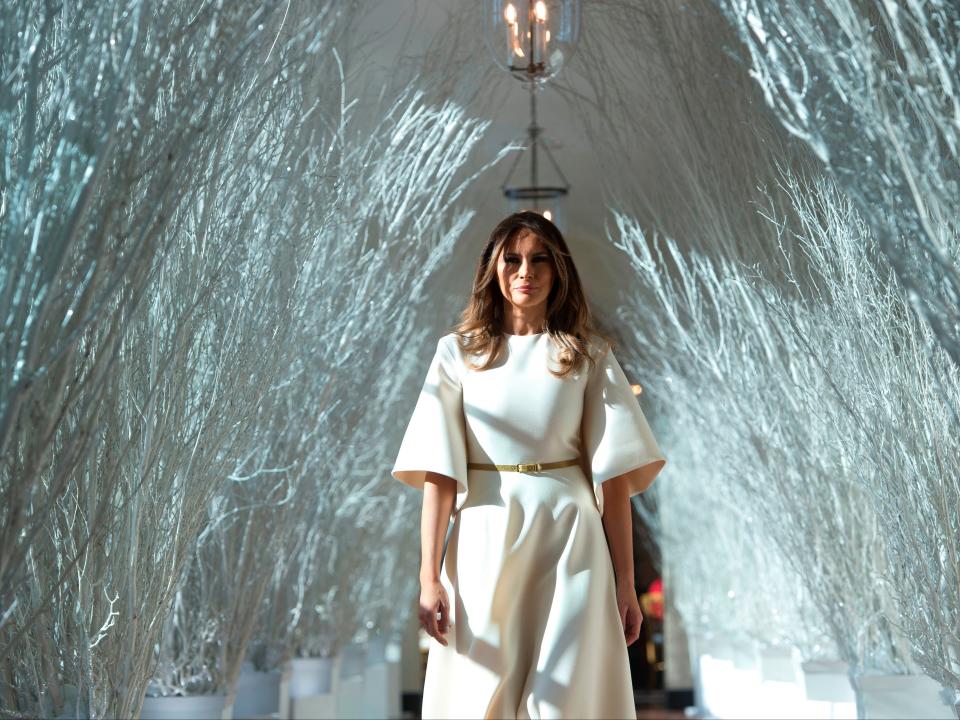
(535, 628)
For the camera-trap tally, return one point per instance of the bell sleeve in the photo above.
(435, 438)
(615, 435)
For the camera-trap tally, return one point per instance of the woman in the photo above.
(528, 433)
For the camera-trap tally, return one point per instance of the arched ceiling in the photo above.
(642, 76)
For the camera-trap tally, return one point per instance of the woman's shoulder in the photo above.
(450, 341)
(456, 339)
(597, 345)
(451, 345)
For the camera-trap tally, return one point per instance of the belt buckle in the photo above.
(528, 467)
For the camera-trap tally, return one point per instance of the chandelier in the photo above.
(531, 40)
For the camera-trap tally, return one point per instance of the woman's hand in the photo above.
(630, 615)
(433, 600)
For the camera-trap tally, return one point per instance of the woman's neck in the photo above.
(523, 326)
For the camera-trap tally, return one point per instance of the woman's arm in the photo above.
(439, 495)
(439, 492)
(618, 524)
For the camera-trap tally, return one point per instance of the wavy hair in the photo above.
(568, 319)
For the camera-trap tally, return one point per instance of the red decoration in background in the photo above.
(651, 602)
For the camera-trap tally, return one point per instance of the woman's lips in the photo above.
(526, 289)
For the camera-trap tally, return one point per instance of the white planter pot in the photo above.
(313, 687)
(745, 656)
(353, 660)
(827, 681)
(186, 707)
(779, 664)
(721, 649)
(891, 697)
(310, 676)
(258, 694)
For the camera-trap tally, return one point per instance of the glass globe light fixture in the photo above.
(532, 40)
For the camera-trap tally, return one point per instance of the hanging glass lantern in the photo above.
(531, 40)
(546, 199)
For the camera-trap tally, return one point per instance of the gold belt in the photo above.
(524, 467)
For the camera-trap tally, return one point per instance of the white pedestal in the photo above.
(350, 700)
(381, 681)
(728, 691)
(745, 656)
(283, 710)
(314, 707)
(313, 688)
(394, 659)
(779, 664)
(827, 681)
(892, 697)
(311, 676)
(258, 695)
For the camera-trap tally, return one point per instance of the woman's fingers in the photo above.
(630, 618)
(444, 623)
(434, 611)
(632, 628)
(428, 621)
(443, 611)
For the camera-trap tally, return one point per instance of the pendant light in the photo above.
(532, 41)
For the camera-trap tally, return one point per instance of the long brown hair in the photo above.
(568, 319)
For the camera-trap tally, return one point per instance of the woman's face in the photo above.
(525, 272)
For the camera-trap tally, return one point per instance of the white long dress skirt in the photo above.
(536, 632)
